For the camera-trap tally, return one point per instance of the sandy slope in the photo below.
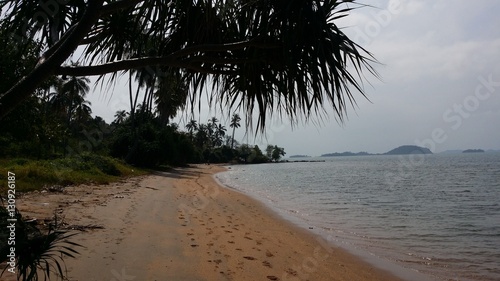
(183, 226)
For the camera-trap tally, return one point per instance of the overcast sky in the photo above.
(439, 86)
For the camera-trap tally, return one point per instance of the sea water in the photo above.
(435, 214)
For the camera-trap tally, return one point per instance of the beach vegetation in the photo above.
(84, 168)
(277, 153)
(261, 59)
(147, 141)
(33, 253)
(256, 156)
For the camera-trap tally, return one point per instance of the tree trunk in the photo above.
(58, 54)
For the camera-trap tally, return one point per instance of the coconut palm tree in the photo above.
(191, 127)
(273, 57)
(220, 132)
(120, 116)
(170, 95)
(82, 112)
(213, 121)
(235, 123)
(202, 136)
(69, 99)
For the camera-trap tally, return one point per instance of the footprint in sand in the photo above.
(291, 272)
(266, 263)
(271, 277)
(249, 258)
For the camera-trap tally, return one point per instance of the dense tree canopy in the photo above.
(286, 56)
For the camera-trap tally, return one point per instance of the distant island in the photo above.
(347, 153)
(409, 149)
(473, 151)
(402, 150)
(299, 156)
(460, 151)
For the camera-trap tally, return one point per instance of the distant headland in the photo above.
(346, 153)
(401, 150)
(473, 151)
(408, 149)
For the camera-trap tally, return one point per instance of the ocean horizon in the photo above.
(438, 215)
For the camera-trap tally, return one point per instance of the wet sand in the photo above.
(182, 225)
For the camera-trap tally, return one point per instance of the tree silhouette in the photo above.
(191, 127)
(69, 99)
(235, 123)
(220, 132)
(277, 153)
(120, 117)
(287, 57)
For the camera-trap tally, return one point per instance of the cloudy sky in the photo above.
(439, 83)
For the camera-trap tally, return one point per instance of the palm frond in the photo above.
(285, 57)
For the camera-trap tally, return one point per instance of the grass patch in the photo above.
(81, 169)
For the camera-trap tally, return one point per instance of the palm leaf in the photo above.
(284, 57)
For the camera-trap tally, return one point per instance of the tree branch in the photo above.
(172, 60)
(255, 42)
(144, 62)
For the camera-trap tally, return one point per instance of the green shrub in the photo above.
(85, 168)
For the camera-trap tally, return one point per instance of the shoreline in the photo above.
(397, 270)
(184, 225)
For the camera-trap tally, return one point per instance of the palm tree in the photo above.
(277, 153)
(212, 130)
(220, 132)
(120, 116)
(170, 95)
(202, 136)
(192, 126)
(235, 123)
(284, 57)
(82, 112)
(213, 121)
(69, 99)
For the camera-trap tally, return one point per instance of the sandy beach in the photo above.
(182, 225)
